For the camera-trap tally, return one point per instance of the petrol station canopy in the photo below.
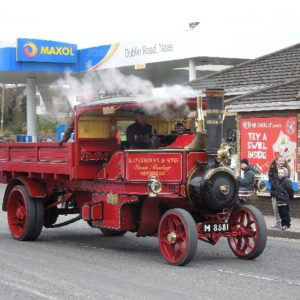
(46, 61)
(39, 63)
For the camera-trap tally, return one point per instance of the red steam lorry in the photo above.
(180, 189)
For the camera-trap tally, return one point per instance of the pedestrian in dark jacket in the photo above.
(284, 193)
(279, 162)
(247, 182)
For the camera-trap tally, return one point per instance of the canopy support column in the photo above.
(192, 69)
(31, 108)
(2, 108)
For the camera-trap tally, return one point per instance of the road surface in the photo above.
(78, 262)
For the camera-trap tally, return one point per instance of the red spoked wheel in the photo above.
(177, 236)
(25, 215)
(250, 222)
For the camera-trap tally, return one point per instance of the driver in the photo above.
(139, 133)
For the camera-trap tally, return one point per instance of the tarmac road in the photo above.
(77, 262)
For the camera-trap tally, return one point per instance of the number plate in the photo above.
(215, 227)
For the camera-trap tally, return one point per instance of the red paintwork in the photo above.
(193, 158)
(115, 168)
(35, 189)
(92, 168)
(36, 158)
(182, 140)
(150, 217)
(243, 222)
(97, 211)
(86, 211)
(165, 166)
(108, 186)
(175, 251)
(17, 213)
(113, 212)
(217, 218)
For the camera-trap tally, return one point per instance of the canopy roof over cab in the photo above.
(130, 103)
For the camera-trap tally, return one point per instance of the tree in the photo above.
(46, 125)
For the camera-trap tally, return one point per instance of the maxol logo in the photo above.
(30, 49)
(67, 51)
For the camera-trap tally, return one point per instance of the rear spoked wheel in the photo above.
(25, 215)
(177, 237)
(250, 223)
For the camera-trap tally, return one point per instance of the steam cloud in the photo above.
(113, 82)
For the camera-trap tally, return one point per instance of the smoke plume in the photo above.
(113, 83)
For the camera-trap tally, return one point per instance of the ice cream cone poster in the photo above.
(263, 139)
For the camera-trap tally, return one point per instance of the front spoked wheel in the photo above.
(251, 225)
(177, 236)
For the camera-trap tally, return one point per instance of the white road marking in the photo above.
(28, 290)
(283, 239)
(260, 277)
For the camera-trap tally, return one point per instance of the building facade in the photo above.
(264, 96)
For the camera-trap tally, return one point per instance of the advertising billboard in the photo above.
(32, 50)
(171, 47)
(263, 139)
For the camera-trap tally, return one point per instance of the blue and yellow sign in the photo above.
(46, 51)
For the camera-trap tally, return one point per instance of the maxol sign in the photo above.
(46, 51)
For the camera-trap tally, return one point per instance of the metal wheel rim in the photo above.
(174, 250)
(244, 244)
(17, 213)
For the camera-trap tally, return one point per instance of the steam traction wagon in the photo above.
(179, 189)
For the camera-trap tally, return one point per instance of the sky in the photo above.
(245, 29)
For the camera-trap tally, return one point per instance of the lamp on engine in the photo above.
(259, 184)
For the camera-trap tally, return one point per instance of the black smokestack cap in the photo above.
(214, 119)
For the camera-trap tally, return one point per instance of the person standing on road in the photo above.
(278, 162)
(284, 193)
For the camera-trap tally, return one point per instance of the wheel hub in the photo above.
(20, 213)
(224, 189)
(171, 237)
